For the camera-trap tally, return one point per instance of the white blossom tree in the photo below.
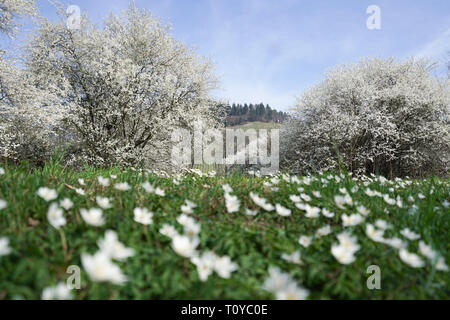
(381, 116)
(11, 11)
(28, 113)
(125, 86)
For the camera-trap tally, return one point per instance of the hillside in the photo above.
(237, 114)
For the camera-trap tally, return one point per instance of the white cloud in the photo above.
(436, 48)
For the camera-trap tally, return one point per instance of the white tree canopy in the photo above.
(11, 11)
(383, 116)
(124, 86)
(27, 110)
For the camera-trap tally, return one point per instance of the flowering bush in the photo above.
(379, 115)
(124, 87)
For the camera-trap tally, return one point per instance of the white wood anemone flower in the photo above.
(93, 216)
(55, 216)
(283, 286)
(250, 212)
(411, 235)
(411, 259)
(282, 211)
(324, 231)
(204, 264)
(185, 246)
(100, 268)
(47, 194)
(113, 248)
(3, 204)
(103, 181)
(261, 202)
(5, 249)
(143, 216)
(168, 231)
(312, 212)
(352, 220)
(305, 241)
(374, 234)
(294, 257)
(66, 203)
(344, 252)
(104, 203)
(60, 291)
(232, 203)
(123, 186)
(223, 266)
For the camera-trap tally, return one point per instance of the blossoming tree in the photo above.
(28, 112)
(124, 86)
(10, 11)
(378, 115)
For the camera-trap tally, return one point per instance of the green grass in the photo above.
(258, 125)
(254, 243)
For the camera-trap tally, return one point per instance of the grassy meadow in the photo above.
(400, 225)
(257, 125)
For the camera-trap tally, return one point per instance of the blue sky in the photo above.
(271, 50)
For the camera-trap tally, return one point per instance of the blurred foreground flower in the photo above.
(47, 194)
(100, 268)
(4, 246)
(283, 286)
(58, 292)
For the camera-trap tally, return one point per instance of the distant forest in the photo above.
(242, 113)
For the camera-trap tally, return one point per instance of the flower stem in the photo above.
(64, 244)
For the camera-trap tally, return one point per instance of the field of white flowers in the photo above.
(137, 234)
(91, 224)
